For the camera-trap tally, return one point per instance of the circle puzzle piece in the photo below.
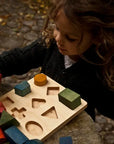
(40, 79)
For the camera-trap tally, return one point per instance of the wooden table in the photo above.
(81, 129)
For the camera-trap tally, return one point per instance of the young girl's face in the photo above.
(71, 40)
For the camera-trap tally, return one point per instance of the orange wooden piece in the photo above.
(2, 136)
(40, 79)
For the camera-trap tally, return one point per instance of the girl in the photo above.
(80, 56)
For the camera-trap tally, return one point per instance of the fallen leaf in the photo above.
(1, 19)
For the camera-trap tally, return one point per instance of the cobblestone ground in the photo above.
(21, 22)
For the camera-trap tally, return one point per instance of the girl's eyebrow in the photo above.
(66, 33)
(73, 34)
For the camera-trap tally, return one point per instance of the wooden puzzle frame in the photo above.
(40, 113)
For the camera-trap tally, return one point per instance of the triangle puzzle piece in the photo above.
(7, 120)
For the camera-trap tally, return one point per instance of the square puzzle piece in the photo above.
(69, 98)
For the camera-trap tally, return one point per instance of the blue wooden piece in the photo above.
(15, 136)
(34, 141)
(65, 140)
(22, 89)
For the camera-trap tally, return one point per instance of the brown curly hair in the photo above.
(96, 16)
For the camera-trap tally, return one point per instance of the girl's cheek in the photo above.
(54, 33)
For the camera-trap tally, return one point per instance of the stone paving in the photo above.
(21, 22)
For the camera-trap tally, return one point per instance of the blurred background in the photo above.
(21, 22)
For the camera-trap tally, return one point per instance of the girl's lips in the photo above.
(60, 48)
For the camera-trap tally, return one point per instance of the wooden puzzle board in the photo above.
(40, 113)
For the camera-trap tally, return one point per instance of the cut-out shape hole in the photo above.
(18, 112)
(52, 90)
(36, 103)
(7, 101)
(34, 128)
(51, 113)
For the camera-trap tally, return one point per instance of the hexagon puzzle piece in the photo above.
(22, 89)
(69, 98)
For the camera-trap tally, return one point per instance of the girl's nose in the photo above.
(59, 39)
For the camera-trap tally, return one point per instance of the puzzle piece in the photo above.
(1, 104)
(69, 98)
(22, 89)
(15, 136)
(40, 79)
(6, 143)
(7, 120)
(2, 108)
(65, 140)
(2, 137)
(34, 141)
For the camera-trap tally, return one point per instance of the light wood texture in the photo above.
(40, 113)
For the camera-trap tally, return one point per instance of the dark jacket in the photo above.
(80, 77)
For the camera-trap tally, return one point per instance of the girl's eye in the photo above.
(70, 39)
